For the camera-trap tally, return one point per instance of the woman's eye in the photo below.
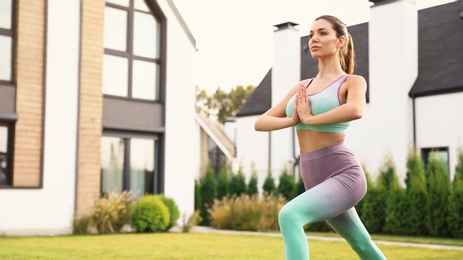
(323, 33)
(310, 36)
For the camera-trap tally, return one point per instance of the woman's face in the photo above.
(322, 39)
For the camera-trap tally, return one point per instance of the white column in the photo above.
(286, 73)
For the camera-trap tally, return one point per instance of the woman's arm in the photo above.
(353, 108)
(275, 118)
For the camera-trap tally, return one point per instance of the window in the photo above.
(129, 164)
(6, 144)
(442, 153)
(132, 57)
(6, 40)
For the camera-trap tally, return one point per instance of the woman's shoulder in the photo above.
(355, 80)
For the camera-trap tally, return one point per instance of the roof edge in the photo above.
(442, 91)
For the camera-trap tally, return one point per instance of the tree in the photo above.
(456, 200)
(252, 185)
(208, 194)
(416, 195)
(438, 193)
(286, 185)
(223, 183)
(238, 184)
(222, 104)
(269, 183)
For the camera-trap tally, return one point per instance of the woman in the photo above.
(321, 109)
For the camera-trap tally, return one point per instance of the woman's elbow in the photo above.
(356, 113)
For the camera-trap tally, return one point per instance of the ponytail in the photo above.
(347, 56)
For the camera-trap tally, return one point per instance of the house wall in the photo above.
(91, 105)
(182, 161)
(29, 79)
(439, 124)
(252, 149)
(72, 118)
(387, 125)
(49, 210)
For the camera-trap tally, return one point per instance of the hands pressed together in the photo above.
(301, 109)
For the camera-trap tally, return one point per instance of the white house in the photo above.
(89, 103)
(412, 61)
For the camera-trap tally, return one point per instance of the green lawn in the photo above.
(188, 246)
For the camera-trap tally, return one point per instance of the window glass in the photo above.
(119, 2)
(145, 80)
(142, 166)
(115, 75)
(146, 36)
(5, 14)
(141, 5)
(5, 57)
(3, 154)
(115, 29)
(112, 164)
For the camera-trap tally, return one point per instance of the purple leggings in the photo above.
(335, 183)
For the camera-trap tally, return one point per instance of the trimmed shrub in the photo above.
(111, 212)
(223, 183)
(359, 205)
(173, 209)
(454, 221)
(438, 193)
(396, 211)
(286, 185)
(208, 194)
(299, 187)
(374, 209)
(252, 185)
(246, 212)
(239, 184)
(149, 215)
(416, 196)
(269, 184)
(197, 195)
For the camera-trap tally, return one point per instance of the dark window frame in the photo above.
(10, 125)
(426, 151)
(131, 57)
(126, 137)
(11, 33)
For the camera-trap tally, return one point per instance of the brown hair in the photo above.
(346, 53)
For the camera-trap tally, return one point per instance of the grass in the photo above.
(188, 246)
(422, 240)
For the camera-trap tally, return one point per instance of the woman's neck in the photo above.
(329, 67)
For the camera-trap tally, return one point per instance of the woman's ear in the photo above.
(342, 41)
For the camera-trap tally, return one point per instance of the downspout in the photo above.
(269, 161)
(76, 185)
(296, 158)
(414, 121)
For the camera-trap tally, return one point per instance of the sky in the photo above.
(234, 38)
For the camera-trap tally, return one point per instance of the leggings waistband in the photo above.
(324, 151)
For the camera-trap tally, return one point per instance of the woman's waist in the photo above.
(310, 141)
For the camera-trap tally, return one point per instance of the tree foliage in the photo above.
(438, 194)
(286, 185)
(222, 104)
(223, 183)
(454, 220)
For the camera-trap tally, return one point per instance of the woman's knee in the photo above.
(286, 214)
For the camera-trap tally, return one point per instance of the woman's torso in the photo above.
(324, 135)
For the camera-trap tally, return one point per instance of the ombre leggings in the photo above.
(334, 183)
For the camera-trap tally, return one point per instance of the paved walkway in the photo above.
(201, 229)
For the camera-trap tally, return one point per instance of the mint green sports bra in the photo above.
(321, 102)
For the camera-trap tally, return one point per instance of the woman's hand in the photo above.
(302, 105)
(295, 118)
